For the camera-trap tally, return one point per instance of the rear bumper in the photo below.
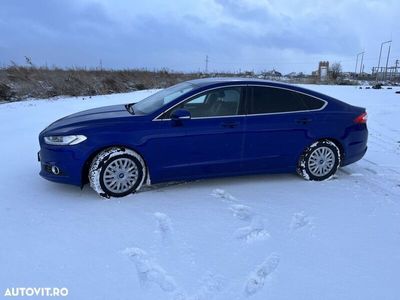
(356, 145)
(349, 159)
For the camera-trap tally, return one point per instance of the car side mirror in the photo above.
(180, 114)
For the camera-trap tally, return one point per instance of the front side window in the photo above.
(163, 97)
(275, 100)
(218, 102)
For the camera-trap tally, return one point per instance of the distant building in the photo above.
(291, 75)
(270, 74)
(323, 70)
(390, 73)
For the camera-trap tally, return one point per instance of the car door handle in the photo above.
(230, 124)
(303, 121)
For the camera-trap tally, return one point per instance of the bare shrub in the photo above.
(336, 70)
(19, 82)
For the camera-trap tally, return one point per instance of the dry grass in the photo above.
(18, 82)
(21, 82)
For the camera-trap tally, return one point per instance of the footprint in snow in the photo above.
(256, 279)
(242, 212)
(253, 232)
(150, 272)
(225, 196)
(164, 226)
(299, 220)
(210, 286)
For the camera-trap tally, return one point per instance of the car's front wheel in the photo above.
(116, 172)
(320, 161)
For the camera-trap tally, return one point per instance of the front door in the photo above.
(210, 142)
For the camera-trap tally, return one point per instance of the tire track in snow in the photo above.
(371, 178)
(383, 167)
(384, 141)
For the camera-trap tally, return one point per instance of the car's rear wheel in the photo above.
(320, 161)
(116, 172)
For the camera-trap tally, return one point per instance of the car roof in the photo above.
(221, 81)
(214, 80)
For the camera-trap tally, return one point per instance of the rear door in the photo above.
(279, 126)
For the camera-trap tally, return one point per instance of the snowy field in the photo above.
(256, 237)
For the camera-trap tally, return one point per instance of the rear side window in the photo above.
(274, 100)
(311, 102)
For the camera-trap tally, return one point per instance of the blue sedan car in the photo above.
(204, 128)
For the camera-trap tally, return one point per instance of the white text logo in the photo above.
(35, 292)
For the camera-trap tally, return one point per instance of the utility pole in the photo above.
(206, 64)
(379, 61)
(393, 70)
(362, 60)
(355, 70)
(387, 60)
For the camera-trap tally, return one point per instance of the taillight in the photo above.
(361, 119)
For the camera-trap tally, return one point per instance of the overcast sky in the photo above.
(290, 35)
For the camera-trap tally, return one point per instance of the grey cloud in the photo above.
(68, 33)
(241, 11)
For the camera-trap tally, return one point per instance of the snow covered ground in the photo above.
(258, 237)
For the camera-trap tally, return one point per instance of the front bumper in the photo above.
(69, 165)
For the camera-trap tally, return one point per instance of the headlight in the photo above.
(64, 140)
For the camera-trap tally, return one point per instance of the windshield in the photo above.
(159, 99)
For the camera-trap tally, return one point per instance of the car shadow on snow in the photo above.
(260, 181)
(68, 191)
(224, 181)
(73, 192)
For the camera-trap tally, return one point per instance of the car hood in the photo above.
(97, 115)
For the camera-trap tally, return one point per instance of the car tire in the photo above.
(116, 172)
(320, 161)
